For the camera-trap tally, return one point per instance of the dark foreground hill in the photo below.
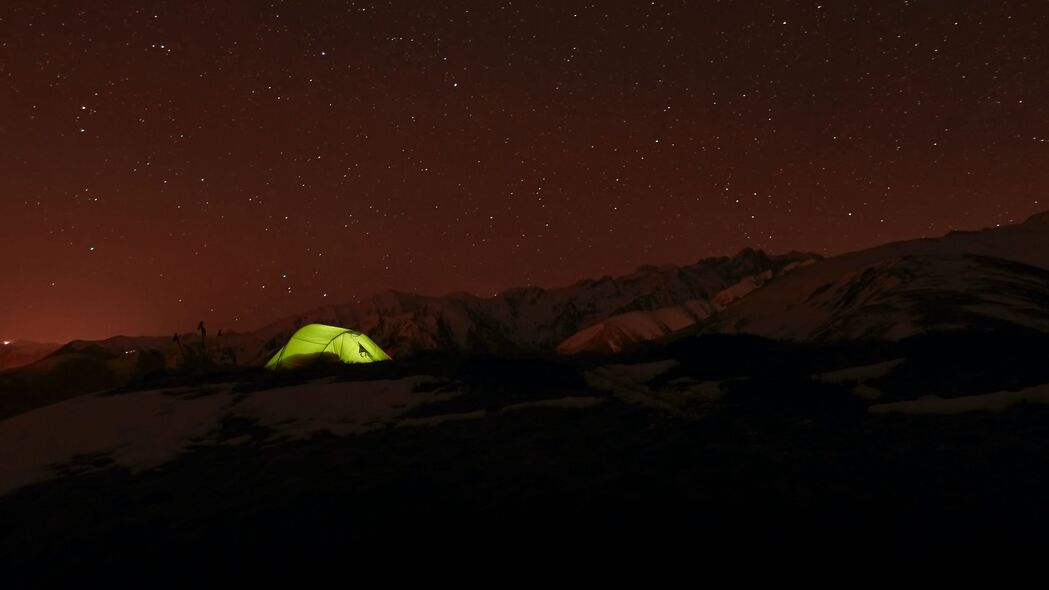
(729, 458)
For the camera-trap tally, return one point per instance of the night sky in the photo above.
(241, 161)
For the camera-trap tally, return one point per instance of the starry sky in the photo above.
(241, 161)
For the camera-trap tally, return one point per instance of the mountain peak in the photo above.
(749, 253)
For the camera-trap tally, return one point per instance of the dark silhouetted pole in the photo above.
(203, 343)
(178, 341)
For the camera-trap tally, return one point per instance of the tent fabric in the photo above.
(320, 342)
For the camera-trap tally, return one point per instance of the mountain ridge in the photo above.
(525, 319)
(796, 295)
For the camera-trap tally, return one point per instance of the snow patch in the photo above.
(442, 418)
(139, 431)
(142, 430)
(627, 382)
(740, 290)
(988, 402)
(572, 402)
(339, 408)
(707, 391)
(861, 373)
(867, 392)
(637, 372)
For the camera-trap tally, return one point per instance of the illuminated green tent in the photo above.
(319, 342)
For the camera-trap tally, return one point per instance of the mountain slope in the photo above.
(22, 352)
(619, 331)
(972, 279)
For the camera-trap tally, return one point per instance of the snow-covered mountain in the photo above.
(535, 319)
(966, 279)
